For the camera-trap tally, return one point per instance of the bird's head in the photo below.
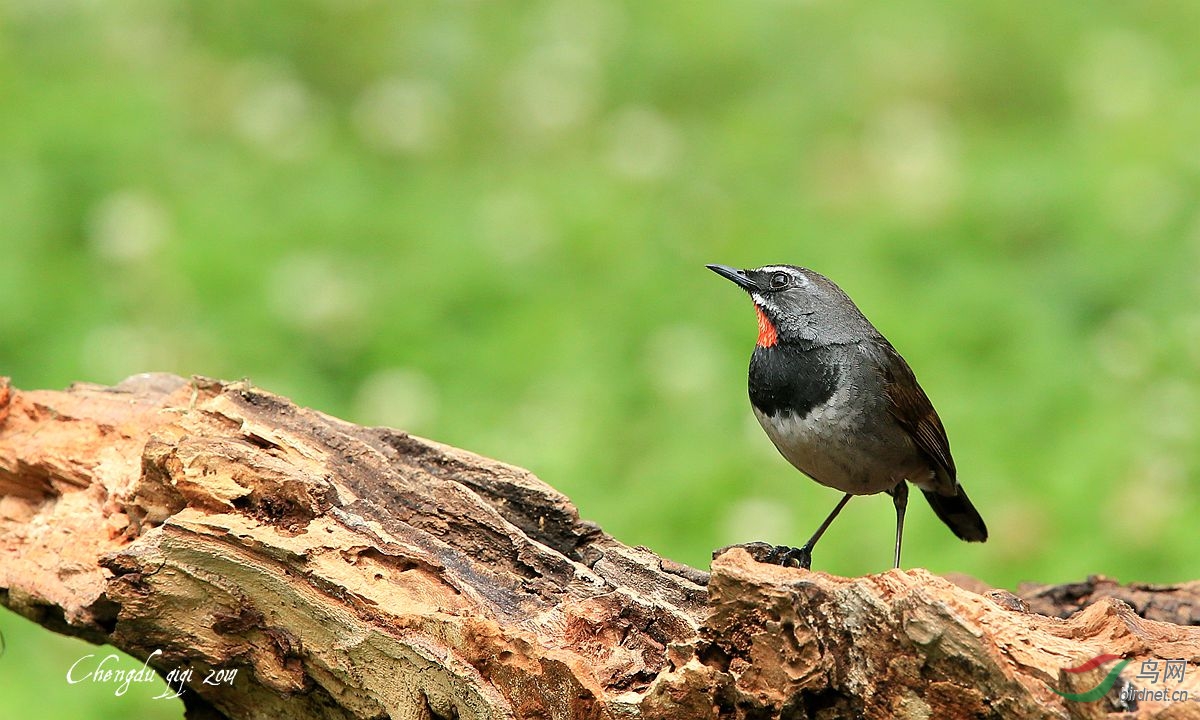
(798, 305)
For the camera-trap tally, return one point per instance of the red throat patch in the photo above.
(766, 331)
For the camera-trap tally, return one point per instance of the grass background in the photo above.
(486, 223)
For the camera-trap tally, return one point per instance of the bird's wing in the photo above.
(911, 408)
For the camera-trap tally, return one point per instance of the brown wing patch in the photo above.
(911, 407)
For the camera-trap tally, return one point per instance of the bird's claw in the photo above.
(790, 556)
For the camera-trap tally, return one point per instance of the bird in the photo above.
(842, 406)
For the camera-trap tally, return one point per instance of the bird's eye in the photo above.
(780, 280)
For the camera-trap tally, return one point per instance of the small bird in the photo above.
(842, 406)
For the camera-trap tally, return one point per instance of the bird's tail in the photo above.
(959, 514)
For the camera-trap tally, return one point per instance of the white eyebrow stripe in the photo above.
(790, 271)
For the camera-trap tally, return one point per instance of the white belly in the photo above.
(830, 446)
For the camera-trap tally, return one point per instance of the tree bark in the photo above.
(355, 572)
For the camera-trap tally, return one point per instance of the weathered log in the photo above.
(353, 572)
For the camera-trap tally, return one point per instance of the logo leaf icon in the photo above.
(1097, 692)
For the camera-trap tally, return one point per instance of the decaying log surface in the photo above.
(353, 572)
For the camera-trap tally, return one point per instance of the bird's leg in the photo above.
(802, 556)
(900, 500)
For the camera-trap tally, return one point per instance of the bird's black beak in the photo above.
(739, 277)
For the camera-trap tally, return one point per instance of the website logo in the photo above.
(1105, 685)
(1153, 671)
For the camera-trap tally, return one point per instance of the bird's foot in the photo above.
(790, 556)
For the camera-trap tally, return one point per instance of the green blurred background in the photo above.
(486, 223)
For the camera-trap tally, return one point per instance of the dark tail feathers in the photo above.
(959, 515)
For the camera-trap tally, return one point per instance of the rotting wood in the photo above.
(354, 572)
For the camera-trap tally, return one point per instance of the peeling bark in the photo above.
(353, 572)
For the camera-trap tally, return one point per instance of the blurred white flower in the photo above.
(1139, 508)
(1121, 74)
(514, 226)
(554, 88)
(914, 151)
(127, 226)
(402, 115)
(315, 293)
(594, 24)
(643, 145)
(274, 111)
(397, 397)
